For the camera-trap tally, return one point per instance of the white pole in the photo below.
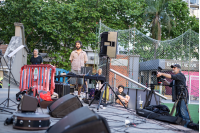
(189, 88)
(189, 4)
(99, 27)
(114, 82)
(160, 86)
(136, 83)
(99, 41)
(114, 86)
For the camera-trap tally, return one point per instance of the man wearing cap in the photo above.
(178, 81)
(78, 59)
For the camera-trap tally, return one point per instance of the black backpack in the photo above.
(193, 126)
(160, 109)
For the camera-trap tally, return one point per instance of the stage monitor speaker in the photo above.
(82, 120)
(64, 106)
(108, 46)
(28, 104)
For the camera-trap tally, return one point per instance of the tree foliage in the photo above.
(182, 21)
(166, 20)
(121, 14)
(53, 26)
(157, 16)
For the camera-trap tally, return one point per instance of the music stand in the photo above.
(6, 102)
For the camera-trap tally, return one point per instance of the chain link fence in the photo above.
(139, 55)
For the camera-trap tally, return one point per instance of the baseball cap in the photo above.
(176, 65)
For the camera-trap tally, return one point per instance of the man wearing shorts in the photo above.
(78, 59)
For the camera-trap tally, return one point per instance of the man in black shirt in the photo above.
(36, 59)
(123, 97)
(178, 82)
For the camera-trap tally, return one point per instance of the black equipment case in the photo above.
(152, 115)
(62, 89)
(31, 121)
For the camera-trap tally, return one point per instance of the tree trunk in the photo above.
(159, 30)
(158, 35)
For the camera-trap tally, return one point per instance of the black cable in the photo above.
(108, 115)
(159, 129)
(132, 112)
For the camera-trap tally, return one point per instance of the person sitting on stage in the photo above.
(123, 97)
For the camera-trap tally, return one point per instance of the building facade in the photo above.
(194, 7)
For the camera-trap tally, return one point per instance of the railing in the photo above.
(127, 78)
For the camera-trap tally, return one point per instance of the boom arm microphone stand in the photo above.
(6, 102)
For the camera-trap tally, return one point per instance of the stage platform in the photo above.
(115, 115)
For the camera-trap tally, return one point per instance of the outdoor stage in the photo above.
(114, 114)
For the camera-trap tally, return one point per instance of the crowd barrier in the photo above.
(37, 76)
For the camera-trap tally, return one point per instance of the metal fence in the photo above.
(139, 55)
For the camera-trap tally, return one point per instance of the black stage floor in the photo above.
(114, 114)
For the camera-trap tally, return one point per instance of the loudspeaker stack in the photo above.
(108, 46)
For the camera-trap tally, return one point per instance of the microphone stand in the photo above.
(6, 102)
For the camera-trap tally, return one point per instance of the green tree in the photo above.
(46, 25)
(156, 14)
(168, 20)
(179, 12)
(184, 46)
(53, 26)
(81, 26)
(120, 14)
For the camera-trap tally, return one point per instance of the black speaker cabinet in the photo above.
(103, 49)
(28, 104)
(64, 106)
(82, 120)
(108, 46)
